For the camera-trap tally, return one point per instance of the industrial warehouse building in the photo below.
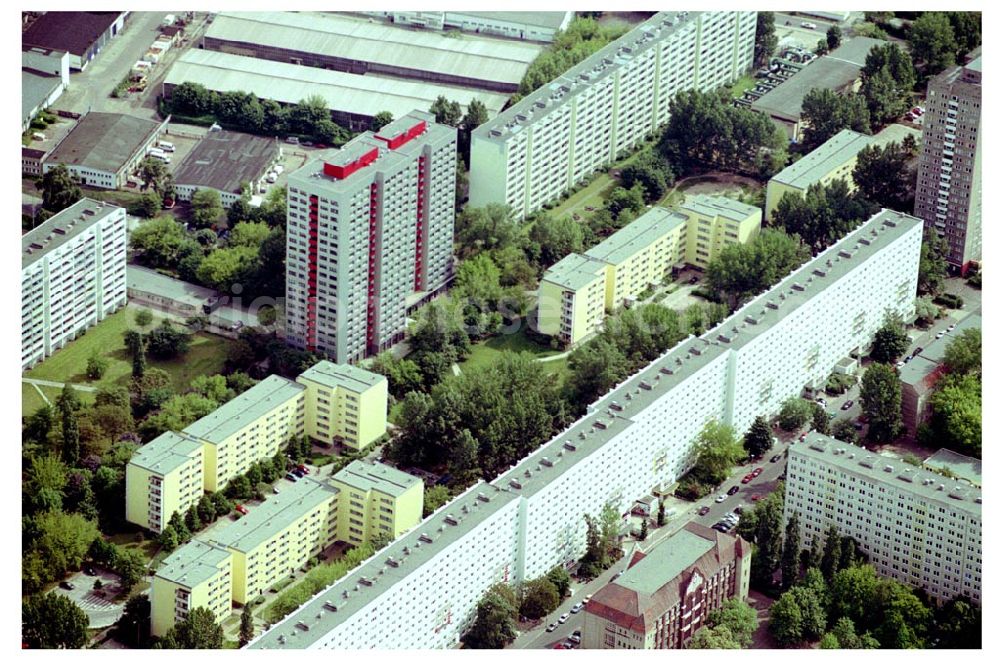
(421, 591)
(362, 47)
(605, 106)
(225, 161)
(104, 148)
(353, 99)
(839, 71)
(82, 34)
(531, 26)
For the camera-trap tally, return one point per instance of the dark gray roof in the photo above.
(222, 160)
(68, 31)
(833, 72)
(103, 141)
(35, 89)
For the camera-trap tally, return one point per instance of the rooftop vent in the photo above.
(772, 305)
(569, 446)
(514, 483)
(426, 538)
(889, 222)
(752, 320)
(958, 493)
(392, 562)
(887, 468)
(302, 625)
(696, 351)
(482, 497)
(865, 241)
(817, 446)
(797, 287)
(819, 272)
(868, 461)
(666, 371)
(940, 486)
(645, 385)
(450, 519)
(367, 582)
(615, 406)
(600, 424)
(846, 254)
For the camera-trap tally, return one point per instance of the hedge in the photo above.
(315, 581)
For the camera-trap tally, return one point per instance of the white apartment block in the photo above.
(604, 106)
(421, 590)
(916, 526)
(368, 227)
(72, 276)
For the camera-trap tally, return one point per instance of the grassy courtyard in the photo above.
(486, 352)
(206, 357)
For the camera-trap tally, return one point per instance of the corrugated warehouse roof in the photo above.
(353, 39)
(224, 160)
(36, 87)
(290, 84)
(103, 141)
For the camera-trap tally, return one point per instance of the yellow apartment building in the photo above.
(245, 558)
(834, 159)
(715, 222)
(252, 426)
(571, 298)
(376, 499)
(198, 574)
(164, 476)
(344, 404)
(578, 290)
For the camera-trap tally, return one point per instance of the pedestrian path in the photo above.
(44, 382)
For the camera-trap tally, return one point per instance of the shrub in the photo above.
(953, 301)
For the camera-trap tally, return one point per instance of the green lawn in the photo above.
(486, 352)
(206, 356)
(746, 82)
(593, 195)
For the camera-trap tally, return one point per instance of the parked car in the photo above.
(757, 472)
(776, 458)
(563, 618)
(802, 437)
(720, 499)
(847, 405)
(808, 26)
(558, 646)
(908, 359)
(747, 479)
(291, 477)
(577, 608)
(733, 490)
(89, 570)
(551, 627)
(703, 510)
(738, 509)
(586, 599)
(755, 498)
(66, 585)
(917, 351)
(242, 509)
(693, 280)
(952, 327)
(821, 401)
(298, 472)
(302, 468)
(939, 335)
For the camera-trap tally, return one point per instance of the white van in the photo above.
(166, 145)
(272, 177)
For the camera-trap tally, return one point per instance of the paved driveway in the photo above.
(100, 610)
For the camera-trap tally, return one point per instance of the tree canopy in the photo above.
(825, 113)
(740, 271)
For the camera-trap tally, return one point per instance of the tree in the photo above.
(717, 638)
(559, 577)
(156, 176)
(820, 419)
(958, 624)
(932, 42)
(621, 200)
(717, 450)
(766, 523)
(53, 621)
(786, 623)
(191, 519)
(554, 238)
(246, 626)
(738, 618)
(831, 552)
(59, 191)
(758, 439)
(794, 413)
(968, 30)
(843, 430)
(493, 627)
(206, 208)
(741, 270)
(137, 346)
(487, 228)
(883, 177)
(68, 403)
(380, 120)
(933, 267)
(887, 81)
(199, 631)
(133, 627)
(214, 387)
(166, 342)
(434, 498)
(143, 318)
(825, 113)
(130, 565)
(964, 354)
(790, 552)
(661, 513)
(957, 414)
(475, 115)
(811, 611)
(881, 402)
(765, 40)
(833, 37)
(446, 112)
(540, 598)
(249, 234)
(39, 424)
(97, 365)
(223, 268)
(650, 171)
(149, 205)
(595, 367)
(63, 540)
(403, 374)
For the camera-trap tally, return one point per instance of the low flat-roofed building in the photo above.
(167, 294)
(840, 71)
(72, 276)
(196, 575)
(351, 45)
(31, 160)
(376, 500)
(51, 62)
(966, 468)
(353, 99)
(916, 526)
(104, 148)
(531, 26)
(279, 536)
(225, 162)
(665, 595)
(38, 91)
(253, 425)
(345, 404)
(163, 477)
(82, 34)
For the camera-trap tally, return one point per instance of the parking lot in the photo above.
(97, 604)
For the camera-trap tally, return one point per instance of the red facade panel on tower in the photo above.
(403, 137)
(346, 170)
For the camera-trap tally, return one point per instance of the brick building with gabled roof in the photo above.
(666, 594)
